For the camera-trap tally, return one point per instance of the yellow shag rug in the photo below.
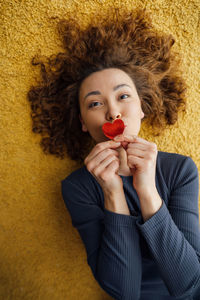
(41, 254)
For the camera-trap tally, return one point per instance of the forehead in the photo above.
(106, 78)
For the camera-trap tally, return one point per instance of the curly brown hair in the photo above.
(127, 42)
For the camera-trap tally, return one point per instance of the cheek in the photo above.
(95, 120)
(133, 109)
(94, 124)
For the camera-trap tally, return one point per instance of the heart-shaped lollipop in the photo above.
(113, 129)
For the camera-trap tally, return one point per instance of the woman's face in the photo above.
(106, 95)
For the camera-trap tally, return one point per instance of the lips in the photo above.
(113, 129)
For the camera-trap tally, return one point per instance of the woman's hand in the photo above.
(141, 159)
(103, 163)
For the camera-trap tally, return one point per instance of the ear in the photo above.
(84, 128)
(141, 112)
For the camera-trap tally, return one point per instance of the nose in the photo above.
(117, 117)
(113, 110)
(114, 115)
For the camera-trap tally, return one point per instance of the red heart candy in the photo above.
(113, 129)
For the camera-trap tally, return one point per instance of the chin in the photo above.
(101, 140)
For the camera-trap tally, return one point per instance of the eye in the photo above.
(92, 104)
(126, 96)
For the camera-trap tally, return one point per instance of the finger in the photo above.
(112, 168)
(100, 158)
(142, 141)
(135, 152)
(130, 138)
(134, 161)
(135, 139)
(122, 137)
(143, 144)
(109, 171)
(135, 145)
(101, 147)
(104, 164)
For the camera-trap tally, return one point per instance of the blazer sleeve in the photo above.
(173, 234)
(111, 241)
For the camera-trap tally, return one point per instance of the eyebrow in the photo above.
(114, 89)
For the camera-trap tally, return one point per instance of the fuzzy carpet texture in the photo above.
(41, 254)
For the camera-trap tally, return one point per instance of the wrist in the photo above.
(116, 202)
(147, 192)
(113, 191)
(150, 203)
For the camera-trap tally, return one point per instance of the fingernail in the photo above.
(130, 136)
(117, 138)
